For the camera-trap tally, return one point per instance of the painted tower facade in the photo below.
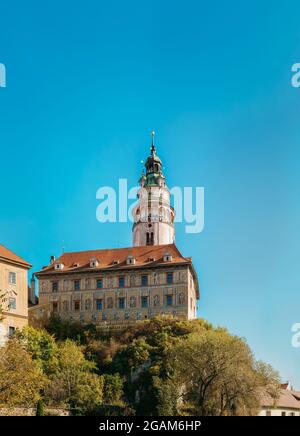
(153, 215)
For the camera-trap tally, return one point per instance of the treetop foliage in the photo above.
(139, 370)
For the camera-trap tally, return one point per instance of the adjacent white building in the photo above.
(288, 403)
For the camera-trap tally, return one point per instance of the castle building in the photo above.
(115, 287)
(13, 293)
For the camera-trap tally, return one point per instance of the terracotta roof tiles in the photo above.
(287, 400)
(143, 255)
(8, 255)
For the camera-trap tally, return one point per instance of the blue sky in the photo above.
(86, 84)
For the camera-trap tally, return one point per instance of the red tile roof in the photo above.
(287, 400)
(6, 254)
(144, 255)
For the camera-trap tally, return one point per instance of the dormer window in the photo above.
(167, 257)
(151, 259)
(130, 260)
(58, 266)
(116, 262)
(94, 262)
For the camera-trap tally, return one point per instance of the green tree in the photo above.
(145, 363)
(222, 377)
(166, 394)
(41, 345)
(113, 388)
(40, 409)
(73, 383)
(21, 380)
(63, 329)
(102, 352)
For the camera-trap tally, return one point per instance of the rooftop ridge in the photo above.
(9, 255)
(141, 247)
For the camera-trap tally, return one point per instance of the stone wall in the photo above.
(23, 411)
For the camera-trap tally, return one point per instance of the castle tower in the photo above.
(153, 215)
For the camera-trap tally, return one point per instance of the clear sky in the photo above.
(86, 84)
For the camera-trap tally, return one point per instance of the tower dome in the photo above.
(154, 174)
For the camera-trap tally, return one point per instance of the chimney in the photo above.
(52, 259)
(32, 296)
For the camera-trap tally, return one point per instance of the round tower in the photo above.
(153, 216)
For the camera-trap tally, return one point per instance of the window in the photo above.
(12, 278)
(283, 414)
(77, 285)
(268, 413)
(122, 303)
(169, 278)
(54, 286)
(99, 304)
(12, 304)
(59, 266)
(99, 284)
(167, 257)
(93, 262)
(130, 260)
(144, 302)
(150, 238)
(169, 300)
(144, 280)
(55, 307)
(121, 282)
(11, 331)
(76, 305)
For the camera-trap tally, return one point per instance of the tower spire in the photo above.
(153, 149)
